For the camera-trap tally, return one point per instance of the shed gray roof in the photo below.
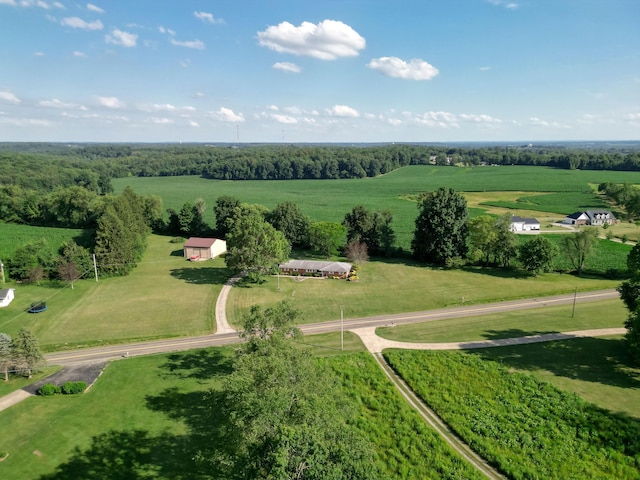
(528, 221)
(4, 293)
(317, 265)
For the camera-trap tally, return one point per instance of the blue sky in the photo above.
(319, 71)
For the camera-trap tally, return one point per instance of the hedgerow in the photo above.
(525, 427)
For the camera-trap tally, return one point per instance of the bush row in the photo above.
(68, 388)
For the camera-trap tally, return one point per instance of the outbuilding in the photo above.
(6, 296)
(197, 248)
(520, 224)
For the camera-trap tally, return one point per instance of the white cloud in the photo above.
(227, 115)
(39, 54)
(415, 69)
(111, 102)
(9, 98)
(195, 44)
(55, 103)
(485, 69)
(161, 121)
(168, 31)
(118, 37)
(328, 40)
(631, 117)
(283, 118)
(58, 5)
(208, 17)
(438, 119)
(479, 118)
(79, 54)
(343, 111)
(76, 22)
(25, 122)
(394, 121)
(287, 67)
(94, 8)
(9, 2)
(31, 3)
(193, 123)
(537, 122)
(504, 3)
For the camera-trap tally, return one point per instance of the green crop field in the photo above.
(330, 200)
(559, 203)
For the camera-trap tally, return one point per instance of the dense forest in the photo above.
(46, 166)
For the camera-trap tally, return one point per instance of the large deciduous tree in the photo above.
(374, 229)
(441, 227)
(289, 219)
(537, 255)
(254, 246)
(327, 237)
(287, 416)
(224, 209)
(578, 247)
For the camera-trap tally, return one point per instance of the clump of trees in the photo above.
(20, 354)
(288, 418)
(630, 293)
(441, 232)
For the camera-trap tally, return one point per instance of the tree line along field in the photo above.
(330, 200)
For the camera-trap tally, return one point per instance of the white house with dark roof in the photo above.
(520, 224)
(316, 268)
(6, 296)
(197, 248)
(591, 217)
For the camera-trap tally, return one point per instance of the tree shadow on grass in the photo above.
(135, 454)
(513, 333)
(202, 276)
(201, 364)
(598, 360)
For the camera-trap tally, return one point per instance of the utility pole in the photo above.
(573, 312)
(341, 330)
(95, 267)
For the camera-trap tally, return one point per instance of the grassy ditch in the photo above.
(525, 427)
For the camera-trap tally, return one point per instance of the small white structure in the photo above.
(6, 296)
(519, 224)
(197, 248)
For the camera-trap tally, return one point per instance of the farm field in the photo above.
(148, 417)
(528, 428)
(330, 200)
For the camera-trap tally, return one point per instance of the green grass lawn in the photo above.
(19, 381)
(602, 314)
(164, 296)
(386, 287)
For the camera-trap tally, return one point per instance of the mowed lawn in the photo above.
(164, 296)
(387, 287)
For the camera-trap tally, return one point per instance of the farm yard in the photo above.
(155, 404)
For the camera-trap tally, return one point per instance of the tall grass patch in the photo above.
(525, 427)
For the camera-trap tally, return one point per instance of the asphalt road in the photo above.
(100, 354)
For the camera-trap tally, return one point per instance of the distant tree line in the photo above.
(45, 167)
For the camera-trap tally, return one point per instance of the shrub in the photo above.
(48, 389)
(71, 388)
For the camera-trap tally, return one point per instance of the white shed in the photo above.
(6, 296)
(197, 248)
